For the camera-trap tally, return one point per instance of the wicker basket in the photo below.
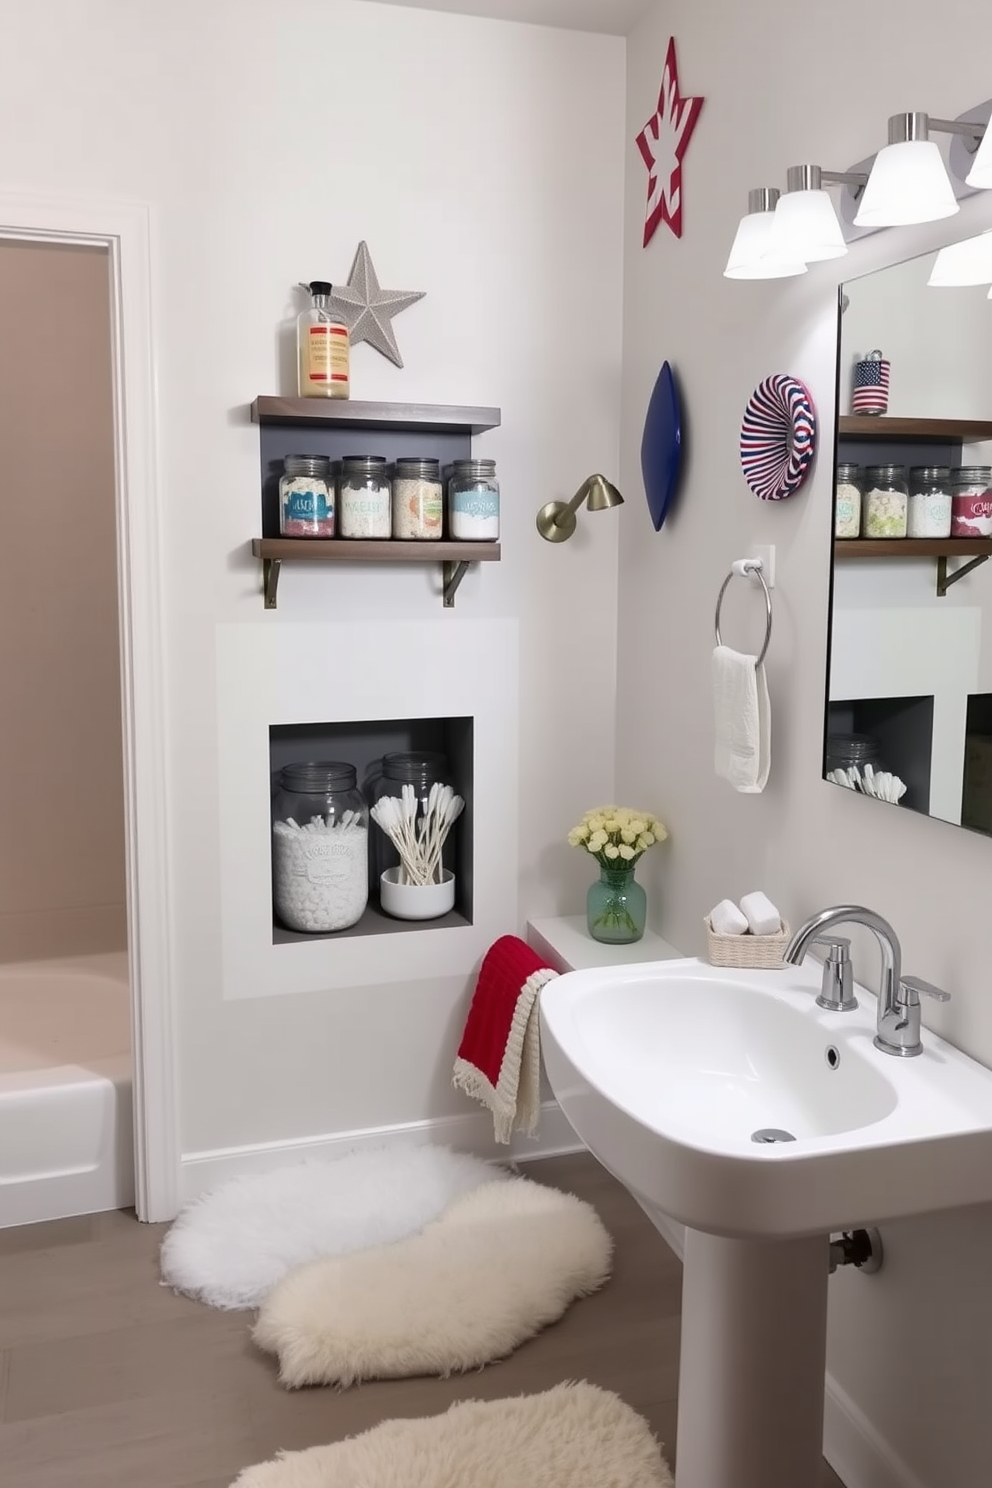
(763, 951)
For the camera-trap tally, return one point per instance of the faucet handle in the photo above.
(915, 988)
(838, 947)
(837, 986)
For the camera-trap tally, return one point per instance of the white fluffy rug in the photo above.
(500, 1264)
(231, 1246)
(575, 1436)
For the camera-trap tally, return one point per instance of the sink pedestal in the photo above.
(753, 1361)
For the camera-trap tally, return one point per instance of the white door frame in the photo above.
(124, 228)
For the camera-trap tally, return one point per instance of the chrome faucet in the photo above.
(898, 1025)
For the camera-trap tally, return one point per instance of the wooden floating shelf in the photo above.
(425, 418)
(978, 550)
(933, 431)
(454, 557)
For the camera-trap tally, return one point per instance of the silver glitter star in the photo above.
(368, 310)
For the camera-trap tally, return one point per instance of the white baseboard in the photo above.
(470, 1133)
(857, 1452)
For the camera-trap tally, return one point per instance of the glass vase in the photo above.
(616, 907)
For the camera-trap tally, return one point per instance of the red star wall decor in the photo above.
(662, 143)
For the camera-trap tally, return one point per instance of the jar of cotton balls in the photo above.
(320, 837)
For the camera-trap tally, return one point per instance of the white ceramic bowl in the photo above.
(416, 901)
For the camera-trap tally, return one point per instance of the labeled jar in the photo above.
(971, 501)
(886, 501)
(473, 501)
(847, 501)
(364, 501)
(320, 847)
(418, 500)
(306, 497)
(929, 501)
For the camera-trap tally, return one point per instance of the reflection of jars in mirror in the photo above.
(421, 770)
(852, 751)
(929, 501)
(847, 501)
(320, 847)
(971, 503)
(886, 501)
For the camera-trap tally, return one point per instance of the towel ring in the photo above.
(740, 568)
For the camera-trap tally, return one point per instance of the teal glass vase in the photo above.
(616, 907)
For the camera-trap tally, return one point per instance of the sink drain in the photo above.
(771, 1134)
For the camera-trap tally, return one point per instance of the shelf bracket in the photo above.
(945, 579)
(270, 580)
(454, 571)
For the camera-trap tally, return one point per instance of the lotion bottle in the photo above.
(322, 346)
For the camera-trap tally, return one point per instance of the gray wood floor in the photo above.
(108, 1380)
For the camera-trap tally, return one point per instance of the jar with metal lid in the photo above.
(418, 500)
(971, 501)
(847, 501)
(320, 844)
(929, 501)
(886, 501)
(473, 501)
(364, 500)
(306, 497)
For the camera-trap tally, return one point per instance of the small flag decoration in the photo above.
(871, 384)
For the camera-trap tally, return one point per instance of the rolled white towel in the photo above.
(726, 919)
(762, 916)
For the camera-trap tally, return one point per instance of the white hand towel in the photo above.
(743, 720)
(762, 916)
(727, 919)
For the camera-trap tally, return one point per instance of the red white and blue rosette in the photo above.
(778, 437)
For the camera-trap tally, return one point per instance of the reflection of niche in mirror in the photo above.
(908, 667)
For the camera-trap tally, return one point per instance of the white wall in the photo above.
(912, 1347)
(479, 161)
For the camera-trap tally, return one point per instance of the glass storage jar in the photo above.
(971, 501)
(929, 501)
(847, 501)
(364, 503)
(320, 847)
(418, 500)
(306, 497)
(421, 769)
(886, 501)
(473, 501)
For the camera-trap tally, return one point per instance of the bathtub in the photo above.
(66, 1143)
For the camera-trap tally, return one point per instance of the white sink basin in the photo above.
(665, 1069)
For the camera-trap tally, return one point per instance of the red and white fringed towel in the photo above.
(499, 1058)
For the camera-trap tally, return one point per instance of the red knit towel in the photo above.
(499, 1058)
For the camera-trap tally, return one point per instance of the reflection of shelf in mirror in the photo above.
(935, 431)
(979, 550)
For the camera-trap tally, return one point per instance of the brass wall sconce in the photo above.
(556, 520)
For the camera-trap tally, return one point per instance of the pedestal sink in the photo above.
(727, 1100)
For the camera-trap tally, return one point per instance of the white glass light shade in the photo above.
(806, 228)
(980, 174)
(969, 262)
(750, 257)
(908, 183)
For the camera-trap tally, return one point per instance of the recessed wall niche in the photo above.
(363, 743)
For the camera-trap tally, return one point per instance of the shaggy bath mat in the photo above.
(230, 1247)
(499, 1264)
(575, 1436)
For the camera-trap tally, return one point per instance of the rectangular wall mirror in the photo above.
(909, 680)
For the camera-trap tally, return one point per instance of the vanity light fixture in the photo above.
(806, 225)
(750, 256)
(556, 520)
(909, 182)
(964, 263)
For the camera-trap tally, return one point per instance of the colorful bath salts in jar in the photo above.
(418, 500)
(886, 501)
(847, 501)
(929, 501)
(473, 501)
(306, 497)
(971, 506)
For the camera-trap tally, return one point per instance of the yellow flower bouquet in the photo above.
(616, 836)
